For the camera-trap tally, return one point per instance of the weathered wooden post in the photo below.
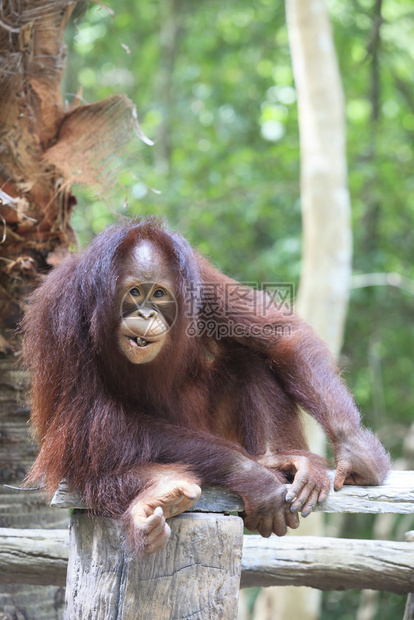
(197, 574)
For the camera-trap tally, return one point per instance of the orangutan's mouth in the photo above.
(139, 341)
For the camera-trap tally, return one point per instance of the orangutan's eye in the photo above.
(158, 293)
(135, 292)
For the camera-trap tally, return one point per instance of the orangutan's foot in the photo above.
(166, 498)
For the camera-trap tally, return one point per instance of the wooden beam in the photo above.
(36, 557)
(396, 495)
(328, 563)
(40, 557)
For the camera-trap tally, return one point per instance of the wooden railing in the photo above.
(197, 574)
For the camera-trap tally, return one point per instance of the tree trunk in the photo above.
(169, 38)
(326, 213)
(327, 240)
(34, 216)
(43, 149)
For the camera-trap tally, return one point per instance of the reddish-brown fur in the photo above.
(211, 406)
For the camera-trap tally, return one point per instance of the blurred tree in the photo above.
(327, 245)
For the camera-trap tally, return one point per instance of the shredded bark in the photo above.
(45, 148)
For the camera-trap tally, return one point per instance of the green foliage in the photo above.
(377, 76)
(344, 605)
(222, 113)
(214, 89)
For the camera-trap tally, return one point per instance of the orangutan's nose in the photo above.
(146, 313)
